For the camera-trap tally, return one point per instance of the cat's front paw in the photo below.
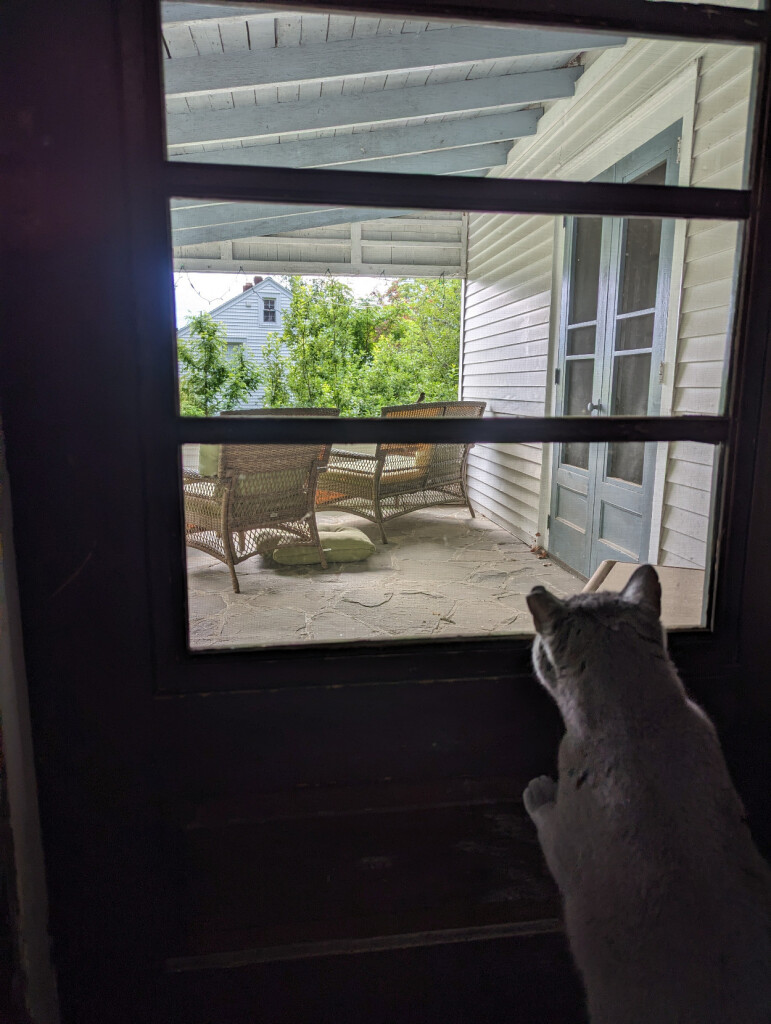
(540, 791)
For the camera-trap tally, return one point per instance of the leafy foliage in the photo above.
(211, 379)
(421, 352)
(274, 374)
(361, 355)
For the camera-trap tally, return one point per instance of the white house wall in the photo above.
(705, 312)
(514, 269)
(506, 346)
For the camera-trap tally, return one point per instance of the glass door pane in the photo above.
(581, 330)
(579, 377)
(634, 331)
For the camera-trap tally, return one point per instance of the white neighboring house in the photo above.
(249, 318)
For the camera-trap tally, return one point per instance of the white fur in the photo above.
(667, 901)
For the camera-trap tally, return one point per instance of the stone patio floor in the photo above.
(442, 574)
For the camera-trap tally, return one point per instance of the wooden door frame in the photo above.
(88, 239)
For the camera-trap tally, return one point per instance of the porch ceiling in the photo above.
(279, 89)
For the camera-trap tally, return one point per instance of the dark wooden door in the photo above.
(346, 843)
(307, 852)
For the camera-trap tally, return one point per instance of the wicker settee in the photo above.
(399, 478)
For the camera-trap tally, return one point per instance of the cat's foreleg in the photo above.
(540, 803)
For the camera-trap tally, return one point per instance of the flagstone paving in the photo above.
(442, 574)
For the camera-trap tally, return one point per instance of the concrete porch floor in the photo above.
(442, 574)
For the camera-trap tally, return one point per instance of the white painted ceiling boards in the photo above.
(273, 88)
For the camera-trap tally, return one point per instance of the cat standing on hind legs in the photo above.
(667, 901)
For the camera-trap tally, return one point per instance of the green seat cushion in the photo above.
(340, 544)
(208, 459)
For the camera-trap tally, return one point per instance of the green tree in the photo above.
(211, 379)
(328, 337)
(421, 352)
(361, 355)
(275, 369)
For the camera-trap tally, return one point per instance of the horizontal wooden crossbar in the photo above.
(634, 17)
(429, 192)
(303, 430)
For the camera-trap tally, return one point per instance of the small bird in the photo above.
(422, 396)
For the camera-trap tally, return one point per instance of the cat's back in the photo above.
(674, 896)
(667, 900)
(658, 804)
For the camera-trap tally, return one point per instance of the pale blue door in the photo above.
(614, 308)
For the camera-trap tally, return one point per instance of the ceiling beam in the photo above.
(251, 122)
(443, 161)
(237, 210)
(451, 222)
(311, 241)
(185, 13)
(317, 218)
(369, 55)
(342, 150)
(416, 219)
(213, 266)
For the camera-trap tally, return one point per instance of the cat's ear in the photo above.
(543, 607)
(644, 589)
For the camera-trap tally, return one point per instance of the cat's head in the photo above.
(577, 636)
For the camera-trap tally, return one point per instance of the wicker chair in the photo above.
(400, 478)
(261, 497)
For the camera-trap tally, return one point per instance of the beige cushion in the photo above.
(347, 481)
(340, 544)
(400, 479)
(423, 455)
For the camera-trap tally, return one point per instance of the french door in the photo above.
(615, 290)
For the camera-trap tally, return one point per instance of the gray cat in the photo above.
(667, 901)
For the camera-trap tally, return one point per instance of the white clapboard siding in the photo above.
(243, 320)
(507, 328)
(506, 341)
(720, 120)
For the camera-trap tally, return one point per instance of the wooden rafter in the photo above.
(202, 126)
(297, 219)
(317, 267)
(245, 69)
(173, 13)
(385, 142)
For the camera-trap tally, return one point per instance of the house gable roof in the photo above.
(267, 285)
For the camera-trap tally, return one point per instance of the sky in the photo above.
(201, 293)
